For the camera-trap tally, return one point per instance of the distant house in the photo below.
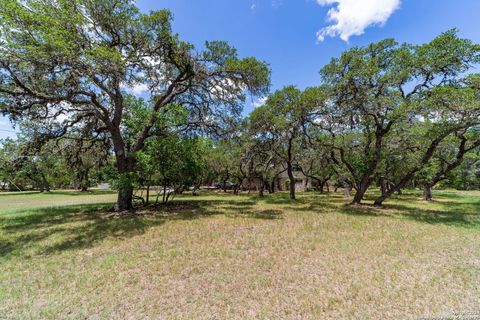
(103, 186)
(302, 183)
(282, 182)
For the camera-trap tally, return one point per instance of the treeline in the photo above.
(389, 115)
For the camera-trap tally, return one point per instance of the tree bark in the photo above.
(46, 185)
(292, 181)
(347, 188)
(125, 190)
(124, 199)
(84, 183)
(361, 190)
(125, 166)
(148, 192)
(225, 180)
(383, 186)
(290, 170)
(427, 192)
(260, 188)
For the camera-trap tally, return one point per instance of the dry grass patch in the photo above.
(241, 257)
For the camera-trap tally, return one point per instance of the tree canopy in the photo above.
(100, 83)
(71, 64)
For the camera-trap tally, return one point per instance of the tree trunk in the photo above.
(225, 182)
(164, 192)
(83, 179)
(125, 190)
(322, 186)
(292, 181)
(361, 190)
(427, 192)
(347, 188)
(426, 157)
(260, 188)
(46, 185)
(148, 192)
(290, 169)
(383, 186)
(195, 188)
(363, 184)
(124, 199)
(268, 186)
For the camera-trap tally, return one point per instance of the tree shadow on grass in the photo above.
(461, 215)
(53, 230)
(452, 214)
(237, 208)
(364, 210)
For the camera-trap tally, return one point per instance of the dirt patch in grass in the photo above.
(160, 210)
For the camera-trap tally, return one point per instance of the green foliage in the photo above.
(79, 59)
(387, 97)
(175, 163)
(387, 112)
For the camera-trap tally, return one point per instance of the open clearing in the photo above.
(239, 257)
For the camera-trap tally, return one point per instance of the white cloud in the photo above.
(352, 17)
(260, 102)
(253, 6)
(139, 88)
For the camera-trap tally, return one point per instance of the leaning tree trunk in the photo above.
(361, 190)
(427, 192)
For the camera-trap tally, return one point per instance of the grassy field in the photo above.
(220, 256)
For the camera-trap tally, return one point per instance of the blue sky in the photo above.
(284, 32)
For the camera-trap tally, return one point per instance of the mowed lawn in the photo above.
(219, 256)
